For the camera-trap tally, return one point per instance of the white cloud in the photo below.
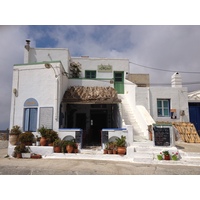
(164, 47)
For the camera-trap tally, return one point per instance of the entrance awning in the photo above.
(91, 95)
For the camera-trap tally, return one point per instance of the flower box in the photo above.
(36, 156)
(26, 155)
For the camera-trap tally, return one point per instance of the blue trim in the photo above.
(68, 129)
(115, 129)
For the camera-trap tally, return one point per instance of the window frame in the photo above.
(90, 74)
(29, 124)
(163, 108)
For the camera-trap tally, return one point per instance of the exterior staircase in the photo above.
(130, 119)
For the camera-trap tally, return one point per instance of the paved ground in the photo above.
(13, 166)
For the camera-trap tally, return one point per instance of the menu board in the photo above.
(46, 117)
(162, 136)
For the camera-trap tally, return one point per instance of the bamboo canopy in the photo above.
(91, 95)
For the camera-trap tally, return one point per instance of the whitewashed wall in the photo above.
(92, 64)
(35, 81)
(35, 55)
(178, 100)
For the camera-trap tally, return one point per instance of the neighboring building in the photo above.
(141, 80)
(194, 109)
(91, 95)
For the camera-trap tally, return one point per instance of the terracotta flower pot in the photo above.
(121, 150)
(19, 155)
(69, 148)
(167, 157)
(43, 141)
(57, 149)
(110, 151)
(105, 151)
(13, 139)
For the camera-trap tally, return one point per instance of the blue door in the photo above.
(194, 112)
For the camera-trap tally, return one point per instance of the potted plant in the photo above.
(114, 148)
(26, 138)
(174, 156)
(75, 147)
(43, 132)
(51, 136)
(160, 156)
(57, 144)
(110, 147)
(22, 151)
(63, 146)
(166, 155)
(14, 135)
(70, 146)
(121, 145)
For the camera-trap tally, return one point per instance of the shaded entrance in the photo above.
(91, 109)
(98, 121)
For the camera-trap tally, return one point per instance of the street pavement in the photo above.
(91, 165)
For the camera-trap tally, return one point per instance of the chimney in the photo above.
(176, 80)
(26, 51)
(27, 46)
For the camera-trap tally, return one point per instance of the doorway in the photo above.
(98, 121)
(119, 82)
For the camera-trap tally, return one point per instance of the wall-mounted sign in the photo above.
(31, 102)
(104, 68)
(46, 117)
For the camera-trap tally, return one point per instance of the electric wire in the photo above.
(166, 70)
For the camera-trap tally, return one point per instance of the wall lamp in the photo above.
(48, 66)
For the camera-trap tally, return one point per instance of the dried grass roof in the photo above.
(91, 95)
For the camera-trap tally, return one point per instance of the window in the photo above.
(163, 107)
(30, 119)
(90, 74)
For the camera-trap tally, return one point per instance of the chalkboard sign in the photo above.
(161, 136)
(78, 136)
(104, 136)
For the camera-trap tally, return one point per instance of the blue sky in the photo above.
(132, 36)
(164, 47)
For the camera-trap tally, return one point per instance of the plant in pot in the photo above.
(14, 135)
(43, 132)
(70, 146)
(166, 155)
(63, 146)
(51, 136)
(21, 151)
(75, 147)
(160, 156)
(26, 138)
(121, 145)
(110, 147)
(114, 148)
(57, 144)
(175, 156)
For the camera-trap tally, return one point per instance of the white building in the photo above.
(99, 99)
